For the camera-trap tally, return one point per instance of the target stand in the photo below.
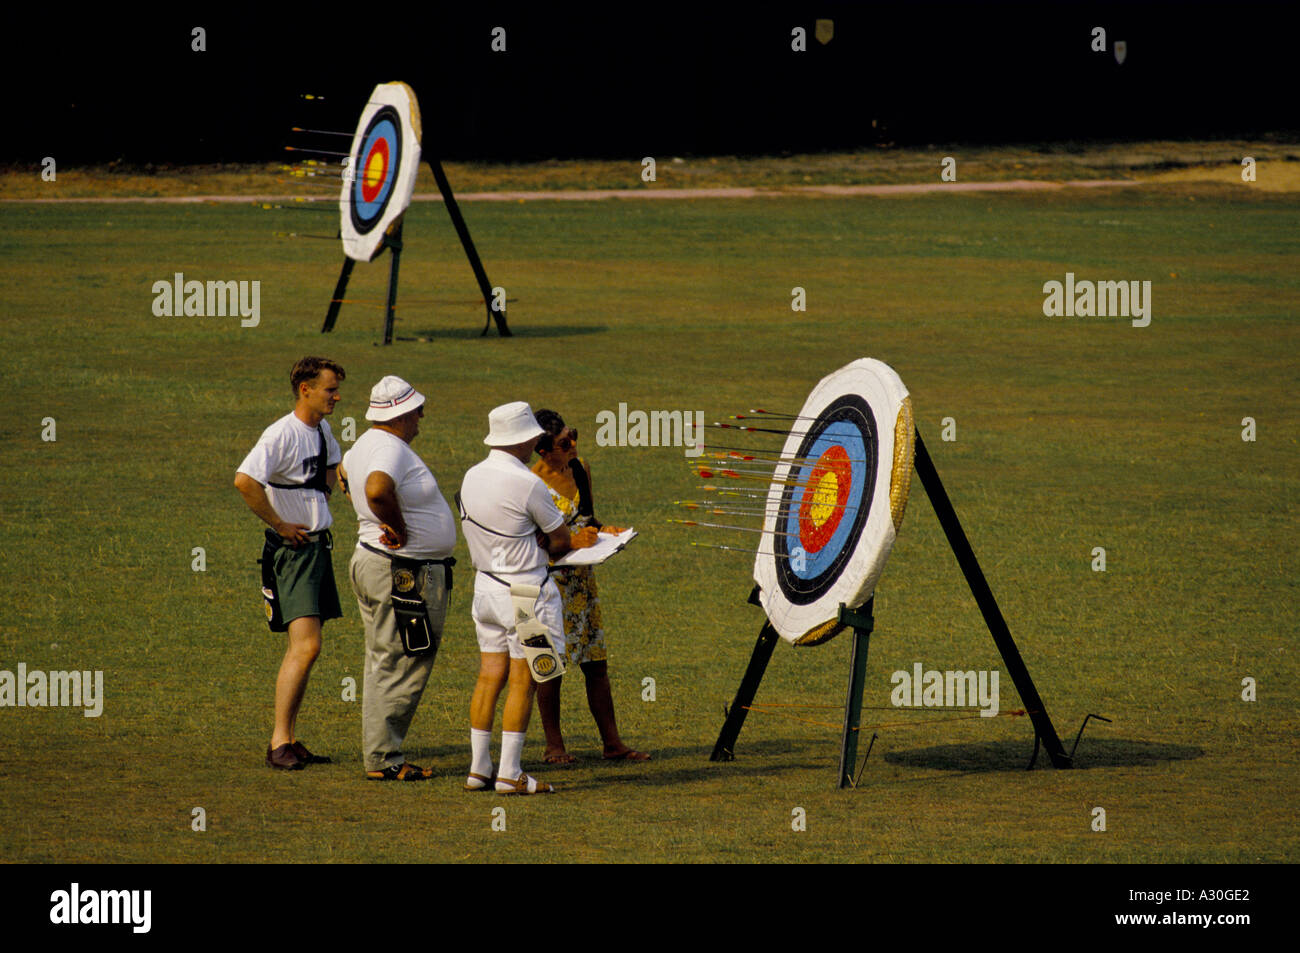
(861, 621)
(382, 164)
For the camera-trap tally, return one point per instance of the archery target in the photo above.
(383, 163)
(834, 508)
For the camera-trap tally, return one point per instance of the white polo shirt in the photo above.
(286, 453)
(430, 529)
(511, 503)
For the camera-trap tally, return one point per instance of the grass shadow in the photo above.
(524, 331)
(673, 766)
(1014, 755)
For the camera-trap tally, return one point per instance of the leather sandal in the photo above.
(524, 784)
(406, 772)
(478, 782)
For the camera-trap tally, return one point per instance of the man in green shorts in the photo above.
(286, 481)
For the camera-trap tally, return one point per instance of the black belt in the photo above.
(273, 537)
(495, 578)
(447, 561)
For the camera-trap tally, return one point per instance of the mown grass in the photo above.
(1220, 160)
(1071, 434)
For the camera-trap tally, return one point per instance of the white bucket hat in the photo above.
(512, 424)
(392, 397)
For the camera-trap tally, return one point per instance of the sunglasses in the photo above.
(562, 443)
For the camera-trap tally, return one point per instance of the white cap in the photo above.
(512, 424)
(392, 397)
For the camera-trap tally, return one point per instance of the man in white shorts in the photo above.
(400, 571)
(513, 529)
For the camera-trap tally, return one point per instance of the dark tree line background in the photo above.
(628, 80)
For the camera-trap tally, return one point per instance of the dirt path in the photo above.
(592, 195)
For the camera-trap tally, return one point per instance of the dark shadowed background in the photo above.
(636, 79)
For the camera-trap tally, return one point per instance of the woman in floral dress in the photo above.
(567, 476)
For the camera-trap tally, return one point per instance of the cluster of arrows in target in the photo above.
(829, 502)
(377, 176)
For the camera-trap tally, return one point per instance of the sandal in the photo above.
(628, 755)
(478, 782)
(562, 757)
(406, 772)
(525, 784)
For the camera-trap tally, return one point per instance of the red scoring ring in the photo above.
(834, 461)
(371, 188)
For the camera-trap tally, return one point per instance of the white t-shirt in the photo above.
(286, 453)
(430, 529)
(512, 503)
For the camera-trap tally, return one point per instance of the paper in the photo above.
(607, 546)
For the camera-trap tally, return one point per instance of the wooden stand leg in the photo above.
(336, 301)
(394, 243)
(997, 625)
(724, 749)
(471, 253)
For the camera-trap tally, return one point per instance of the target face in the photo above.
(372, 183)
(829, 499)
(383, 163)
(833, 510)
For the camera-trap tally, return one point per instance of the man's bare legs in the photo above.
(295, 670)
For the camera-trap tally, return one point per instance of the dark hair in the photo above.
(309, 368)
(553, 424)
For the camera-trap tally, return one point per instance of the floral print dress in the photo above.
(584, 633)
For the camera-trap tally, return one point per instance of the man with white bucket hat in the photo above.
(513, 529)
(400, 571)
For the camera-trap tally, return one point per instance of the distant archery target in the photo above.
(383, 163)
(834, 509)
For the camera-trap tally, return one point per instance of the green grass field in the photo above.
(1071, 433)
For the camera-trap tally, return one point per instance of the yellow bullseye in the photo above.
(824, 499)
(375, 168)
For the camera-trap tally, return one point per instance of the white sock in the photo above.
(480, 748)
(512, 749)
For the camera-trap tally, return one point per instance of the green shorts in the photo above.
(299, 581)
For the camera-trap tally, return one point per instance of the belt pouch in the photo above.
(408, 606)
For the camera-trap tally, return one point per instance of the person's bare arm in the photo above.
(381, 495)
(255, 497)
(343, 481)
(560, 541)
(609, 530)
